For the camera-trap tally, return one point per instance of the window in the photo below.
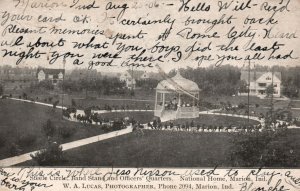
(275, 85)
(262, 84)
(268, 78)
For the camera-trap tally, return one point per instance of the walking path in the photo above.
(26, 157)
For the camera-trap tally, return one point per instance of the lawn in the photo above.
(142, 117)
(21, 124)
(161, 149)
(147, 116)
(138, 101)
(154, 149)
(217, 120)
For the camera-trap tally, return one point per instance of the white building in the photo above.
(54, 75)
(259, 81)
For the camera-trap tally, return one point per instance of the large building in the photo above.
(130, 77)
(259, 81)
(54, 75)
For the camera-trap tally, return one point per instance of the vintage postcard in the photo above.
(150, 95)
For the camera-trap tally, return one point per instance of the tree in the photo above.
(1, 89)
(50, 156)
(242, 86)
(270, 90)
(290, 91)
(74, 103)
(49, 128)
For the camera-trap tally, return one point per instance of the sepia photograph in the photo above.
(149, 95)
(187, 117)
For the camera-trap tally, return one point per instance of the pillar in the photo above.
(155, 100)
(164, 97)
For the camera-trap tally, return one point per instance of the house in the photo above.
(259, 81)
(54, 75)
(145, 76)
(130, 77)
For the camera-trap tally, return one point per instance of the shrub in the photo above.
(27, 140)
(241, 106)
(105, 127)
(66, 132)
(14, 149)
(50, 156)
(117, 125)
(266, 148)
(2, 141)
(1, 89)
(49, 128)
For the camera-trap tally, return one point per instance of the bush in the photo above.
(14, 149)
(27, 140)
(2, 141)
(66, 132)
(49, 128)
(51, 156)
(267, 148)
(117, 125)
(1, 89)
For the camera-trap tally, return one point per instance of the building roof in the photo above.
(178, 81)
(254, 75)
(136, 74)
(51, 71)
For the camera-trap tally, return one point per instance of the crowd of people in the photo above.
(192, 126)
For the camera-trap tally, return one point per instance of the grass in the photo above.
(147, 116)
(217, 120)
(154, 149)
(161, 149)
(19, 120)
(138, 101)
(142, 117)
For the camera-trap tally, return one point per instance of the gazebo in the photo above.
(175, 98)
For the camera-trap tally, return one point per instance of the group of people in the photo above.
(173, 104)
(191, 126)
(124, 107)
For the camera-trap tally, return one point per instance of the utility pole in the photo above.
(62, 88)
(132, 80)
(272, 93)
(249, 92)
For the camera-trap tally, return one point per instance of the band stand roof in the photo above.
(176, 83)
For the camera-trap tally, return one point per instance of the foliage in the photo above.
(106, 86)
(49, 128)
(55, 104)
(50, 156)
(223, 80)
(242, 86)
(147, 84)
(74, 103)
(1, 89)
(27, 140)
(45, 85)
(2, 140)
(266, 148)
(14, 149)
(291, 91)
(66, 132)
(117, 125)
(270, 90)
